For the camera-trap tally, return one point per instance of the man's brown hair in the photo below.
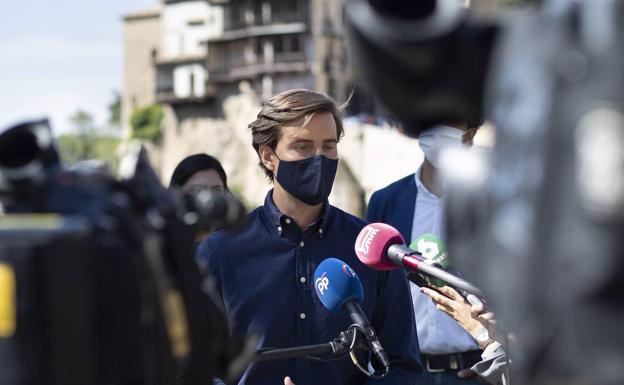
(286, 107)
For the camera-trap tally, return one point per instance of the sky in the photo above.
(60, 56)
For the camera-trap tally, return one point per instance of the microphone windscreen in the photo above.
(335, 283)
(371, 245)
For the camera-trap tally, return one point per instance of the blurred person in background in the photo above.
(414, 205)
(197, 173)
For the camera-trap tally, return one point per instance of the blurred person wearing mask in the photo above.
(265, 273)
(196, 173)
(414, 205)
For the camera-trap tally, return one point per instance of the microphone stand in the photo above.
(337, 347)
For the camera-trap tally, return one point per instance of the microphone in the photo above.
(339, 289)
(381, 247)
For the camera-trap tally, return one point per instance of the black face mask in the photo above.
(310, 180)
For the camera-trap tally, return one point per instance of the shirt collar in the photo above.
(420, 186)
(277, 220)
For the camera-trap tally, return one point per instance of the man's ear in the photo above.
(267, 157)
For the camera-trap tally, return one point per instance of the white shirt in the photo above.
(437, 332)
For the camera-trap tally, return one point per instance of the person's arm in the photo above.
(394, 321)
(494, 368)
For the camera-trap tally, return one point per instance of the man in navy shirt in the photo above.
(265, 273)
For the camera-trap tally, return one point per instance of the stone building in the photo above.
(142, 42)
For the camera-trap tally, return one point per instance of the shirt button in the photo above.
(287, 220)
(301, 244)
(279, 228)
(302, 315)
(321, 231)
(302, 279)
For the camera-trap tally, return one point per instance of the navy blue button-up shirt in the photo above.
(265, 277)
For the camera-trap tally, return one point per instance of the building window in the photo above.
(237, 16)
(278, 44)
(287, 11)
(294, 43)
(258, 44)
(286, 6)
(192, 79)
(287, 43)
(257, 12)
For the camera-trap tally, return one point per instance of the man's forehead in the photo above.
(302, 128)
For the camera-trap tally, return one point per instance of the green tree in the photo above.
(87, 141)
(145, 123)
(114, 112)
(86, 134)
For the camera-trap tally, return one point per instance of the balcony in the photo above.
(258, 21)
(181, 81)
(234, 60)
(243, 14)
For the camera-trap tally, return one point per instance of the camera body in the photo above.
(99, 280)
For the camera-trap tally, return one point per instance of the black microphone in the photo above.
(340, 289)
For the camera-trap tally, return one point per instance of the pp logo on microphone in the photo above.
(365, 239)
(321, 284)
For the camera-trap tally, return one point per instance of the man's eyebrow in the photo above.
(301, 140)
(330, 141)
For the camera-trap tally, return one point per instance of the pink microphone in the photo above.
(381, 247)
(373, 242)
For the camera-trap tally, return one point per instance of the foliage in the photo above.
(145, 123)
(114, 111)
(87, 142)
(74, 149)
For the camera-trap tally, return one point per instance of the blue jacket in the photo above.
(394, 205)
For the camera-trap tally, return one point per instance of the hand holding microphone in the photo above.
(339, 289)
(481, 326)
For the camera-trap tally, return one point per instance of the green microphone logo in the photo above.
(434, 252)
